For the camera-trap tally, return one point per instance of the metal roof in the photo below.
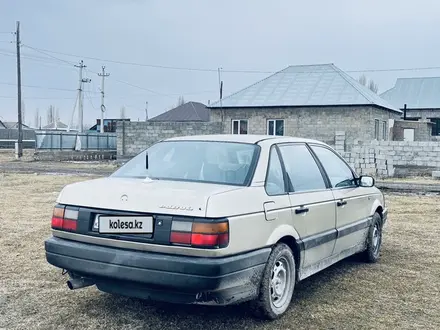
(55, 125)
(13, 125)
(190, 111)
(305, 85)
(416, 93)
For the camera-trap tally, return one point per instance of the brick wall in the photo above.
(133, 137)
(320, 123)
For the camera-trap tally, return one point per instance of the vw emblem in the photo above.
(124, 198)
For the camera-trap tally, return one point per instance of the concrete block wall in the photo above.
(133, 137)
(394, 158)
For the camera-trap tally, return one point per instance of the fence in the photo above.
(9, 136)
(51, 140)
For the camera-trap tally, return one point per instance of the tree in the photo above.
(363, 80)
(181, 101)
(122, 113)
(50, 115)
(371, 85)
(37, 118)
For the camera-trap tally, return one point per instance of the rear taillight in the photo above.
(64, 218)
(200, 234)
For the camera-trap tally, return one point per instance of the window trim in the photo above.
(239, 120)
(384, 130)
(274, 126)
(290, 188)
(283, 170)
(377, 136)
(355, 176)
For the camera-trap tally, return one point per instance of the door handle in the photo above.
(341, 203)
(302, 210)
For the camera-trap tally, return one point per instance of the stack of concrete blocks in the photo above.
(385, 154)
(340, 142)
(362, 159)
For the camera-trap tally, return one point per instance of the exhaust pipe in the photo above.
(80, 282)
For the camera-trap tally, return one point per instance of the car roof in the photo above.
(242, 138)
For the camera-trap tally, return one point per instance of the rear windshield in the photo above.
(198, 161)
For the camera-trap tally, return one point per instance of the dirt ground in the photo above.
(402, 291)
(8, 163)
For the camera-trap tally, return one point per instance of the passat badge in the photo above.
(176, 207)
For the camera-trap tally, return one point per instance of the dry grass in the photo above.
(402, 291)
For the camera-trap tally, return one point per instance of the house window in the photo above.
(240, 126)
(376, 129)
(275, 127)
(384, 130)
(436, 126)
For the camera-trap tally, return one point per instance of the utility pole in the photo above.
(82, 80)
(20, 124)
(103, 75)
(220, 86)
(146, 111)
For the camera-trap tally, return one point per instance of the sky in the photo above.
(175, 47)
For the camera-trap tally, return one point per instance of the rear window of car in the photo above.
(198, 161)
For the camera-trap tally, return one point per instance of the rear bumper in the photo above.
(163, 277)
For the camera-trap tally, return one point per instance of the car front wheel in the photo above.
(277, 285)
(374, 240)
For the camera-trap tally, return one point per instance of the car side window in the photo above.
(275, 179)
(337, 171)
(301, 168)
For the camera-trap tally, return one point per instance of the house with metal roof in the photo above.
(419, 98)
(13, 125)
(188, 112)
(312, 101)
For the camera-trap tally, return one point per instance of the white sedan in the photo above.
(217, 219)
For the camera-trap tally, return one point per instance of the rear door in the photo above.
(353, 202)
(313, 206)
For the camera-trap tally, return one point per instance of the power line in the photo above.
(124, 62)
(45, 53)
(37, 98)
(229, 71)
(43, 87)
(39, 60)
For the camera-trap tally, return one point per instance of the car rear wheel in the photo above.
(374, 240)
(277, 284)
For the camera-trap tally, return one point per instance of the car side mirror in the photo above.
(366, 181)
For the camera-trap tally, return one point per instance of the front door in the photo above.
(353, 203)
(313, 205)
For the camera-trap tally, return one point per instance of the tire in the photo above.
(277, 284)
(374, 240)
